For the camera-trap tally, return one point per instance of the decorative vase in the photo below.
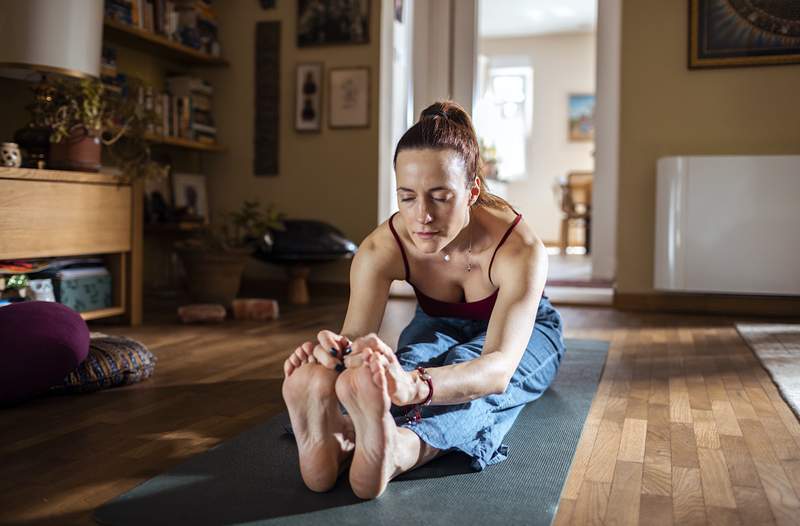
(80, 151)
(10, 155)
(213, 277)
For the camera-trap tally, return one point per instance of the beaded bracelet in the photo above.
(416, 407)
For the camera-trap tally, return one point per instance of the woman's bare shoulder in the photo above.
(382, 251)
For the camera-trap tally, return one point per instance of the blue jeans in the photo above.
(478, 427)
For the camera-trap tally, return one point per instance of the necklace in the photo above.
(469, 251)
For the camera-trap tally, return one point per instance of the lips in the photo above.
(426, 234)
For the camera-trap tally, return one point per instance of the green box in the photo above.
(84, 292)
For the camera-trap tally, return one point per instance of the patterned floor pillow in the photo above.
(112, 361)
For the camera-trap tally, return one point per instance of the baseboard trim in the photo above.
(745, 305)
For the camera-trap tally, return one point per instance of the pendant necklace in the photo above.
(469, 251)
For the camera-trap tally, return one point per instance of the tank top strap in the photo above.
(503, 240)
(399, 244)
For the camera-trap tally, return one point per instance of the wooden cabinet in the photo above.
(47, 213)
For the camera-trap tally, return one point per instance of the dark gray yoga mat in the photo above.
(254, 477)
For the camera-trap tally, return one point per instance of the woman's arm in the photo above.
(521, 275)
(370, 279)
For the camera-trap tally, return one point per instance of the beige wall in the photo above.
(666, 109)
(330, 176)
(562, 64)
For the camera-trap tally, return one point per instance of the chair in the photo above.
(576, 204)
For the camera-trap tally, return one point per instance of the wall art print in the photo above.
(728, 33)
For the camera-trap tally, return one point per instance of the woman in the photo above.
(487, 340)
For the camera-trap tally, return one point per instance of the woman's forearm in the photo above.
(461, 382)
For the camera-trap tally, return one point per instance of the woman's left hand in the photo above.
(401, 386)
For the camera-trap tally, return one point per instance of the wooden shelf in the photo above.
(148, 41)
(102, 313)
(183, 143)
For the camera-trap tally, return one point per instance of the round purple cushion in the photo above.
(40, 343)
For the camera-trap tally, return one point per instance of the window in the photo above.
(503, 117)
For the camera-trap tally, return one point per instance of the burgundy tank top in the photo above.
(473, 310)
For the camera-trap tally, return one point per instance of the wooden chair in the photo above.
(576, 204)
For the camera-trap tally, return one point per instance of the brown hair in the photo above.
(445, 125)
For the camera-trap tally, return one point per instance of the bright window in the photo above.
(503, 117)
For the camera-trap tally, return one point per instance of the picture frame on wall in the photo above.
(735, 34)
(321, 23)
(308, 97)
(581, 117)
(189, 192)
(348, 97)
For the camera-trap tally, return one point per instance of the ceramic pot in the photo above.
(213, 277)
(80, 151)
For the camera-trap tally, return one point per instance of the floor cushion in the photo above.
(40, 342)
(112, 361)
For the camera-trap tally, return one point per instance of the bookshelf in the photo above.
(149, 42)
(181, 142)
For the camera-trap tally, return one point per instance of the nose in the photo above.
(423, 215)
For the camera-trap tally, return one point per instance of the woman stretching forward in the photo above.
(484, 340)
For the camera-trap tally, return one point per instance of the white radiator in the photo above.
(728, 224)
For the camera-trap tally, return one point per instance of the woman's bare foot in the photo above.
(366, 398)
(325, 437)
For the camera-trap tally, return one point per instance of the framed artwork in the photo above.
(581, 117)
(308, 97)
(266, 136)
(158, 199)
(398, 10)
(348, 103)
(190, 194)
(725, 33)
(321, 22)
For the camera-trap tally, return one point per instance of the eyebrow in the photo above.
(431, 190)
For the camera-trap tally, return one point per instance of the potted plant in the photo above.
(215, 258)
(82, 115)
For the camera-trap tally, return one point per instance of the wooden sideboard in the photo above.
(47, 213)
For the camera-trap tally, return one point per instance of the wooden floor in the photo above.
(686, 427)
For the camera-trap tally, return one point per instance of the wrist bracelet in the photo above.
(423, 374)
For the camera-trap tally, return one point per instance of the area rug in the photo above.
(778, 348)
(254, 478)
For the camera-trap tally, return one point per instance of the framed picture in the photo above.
(322, 23)
(158, 199)
(729, 34)
(308, 97)
(581, 117)
(398, 10)
(348, 103)
(190, 194)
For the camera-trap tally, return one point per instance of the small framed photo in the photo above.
(325, 23)
(308, 97)
(348, 103)
(581, 117)
(190, 195)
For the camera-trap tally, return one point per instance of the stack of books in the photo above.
(193, 23)
(191, 104)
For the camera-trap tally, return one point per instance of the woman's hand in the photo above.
(330, 348)
(327, 351)
(400, 383)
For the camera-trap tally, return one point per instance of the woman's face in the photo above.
(432, 196)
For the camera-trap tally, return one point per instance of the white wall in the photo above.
(562, 64)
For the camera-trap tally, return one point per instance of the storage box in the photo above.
(84, 289)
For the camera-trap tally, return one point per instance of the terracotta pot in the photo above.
(80, 151)
(213, 277)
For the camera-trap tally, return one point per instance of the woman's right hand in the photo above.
(320, 352)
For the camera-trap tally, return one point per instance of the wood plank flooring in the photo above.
(686, 427)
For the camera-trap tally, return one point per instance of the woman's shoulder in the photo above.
(383, 251)
(521, 250)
